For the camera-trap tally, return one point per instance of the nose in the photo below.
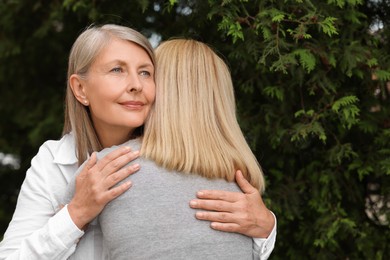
(134, 83)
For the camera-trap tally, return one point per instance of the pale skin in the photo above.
(243, 213)
(119, 90)
(94, 185)
(116, 83)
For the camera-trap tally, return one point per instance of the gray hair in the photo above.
(84, 51)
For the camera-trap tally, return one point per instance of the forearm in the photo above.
(263, 247)
(57, 239)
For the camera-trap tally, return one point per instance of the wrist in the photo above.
(77, 216)
(271, 223)
(265, 225)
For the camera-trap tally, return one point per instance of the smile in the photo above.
(132, 105)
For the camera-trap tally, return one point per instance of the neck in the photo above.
(110, 138)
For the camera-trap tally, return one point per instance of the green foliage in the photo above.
(306, 58)
(315, 116)
(383, 75)
(274, 92)
(347, 110)
(327, 26)
(233, 29)
(312, 87)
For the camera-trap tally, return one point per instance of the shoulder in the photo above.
(54, 156)
(134, 144)
(52, 168)
(62, 151)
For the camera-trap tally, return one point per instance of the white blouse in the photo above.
(39, 230)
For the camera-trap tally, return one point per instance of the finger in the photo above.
(89, 164)
(224, 217)
(117, 191)
(119, 162)
(214, 205)
(243, 183)
(226, 227)
(92, 161)
(112, 156)
(219, 195)
(120, 175)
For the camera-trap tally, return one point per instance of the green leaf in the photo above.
(372, 62)
(341, 152)
(382, 75)
(303, 131)
(278, 18)
(328, 26)
(306, 58)
(343, 102)
(274, 92)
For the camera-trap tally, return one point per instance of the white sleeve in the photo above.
(263, 247)
(92, 245)
(36, 230)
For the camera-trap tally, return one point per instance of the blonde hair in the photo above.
(83, 53)
(193, 127)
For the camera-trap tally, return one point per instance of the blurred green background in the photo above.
(312, 87)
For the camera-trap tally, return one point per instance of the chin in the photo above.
(136, 125)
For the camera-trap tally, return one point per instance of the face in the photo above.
(119, 90)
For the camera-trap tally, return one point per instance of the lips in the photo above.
(133, 105)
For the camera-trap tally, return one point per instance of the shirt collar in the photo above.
(66, 151)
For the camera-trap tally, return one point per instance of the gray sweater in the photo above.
(153, 220)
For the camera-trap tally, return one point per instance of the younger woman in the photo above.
(192, 141)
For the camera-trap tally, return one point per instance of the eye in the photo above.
(145, 73)
(116, 70)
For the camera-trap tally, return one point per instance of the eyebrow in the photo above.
(147, 65)
(123, 63)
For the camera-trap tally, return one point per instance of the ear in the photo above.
(78, 89)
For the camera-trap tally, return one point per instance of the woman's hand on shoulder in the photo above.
(237, 212)
(96, 181)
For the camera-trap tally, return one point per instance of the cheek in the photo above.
(151, 94)
(105, 95)
(153, 97)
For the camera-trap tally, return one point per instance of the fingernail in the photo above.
(200, 193)
(135, 166)
(135, 153)
(199, 214)
(126, 148)
(193, 203)
(128, 183)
